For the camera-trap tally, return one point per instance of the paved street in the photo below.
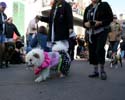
(16, 83)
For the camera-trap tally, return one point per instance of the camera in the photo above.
(92, 23)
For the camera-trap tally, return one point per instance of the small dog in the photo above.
(42, 62)
(17, 53)
(115, 59)
(5, 53)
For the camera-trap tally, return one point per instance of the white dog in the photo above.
(42, 61)
(34, 59)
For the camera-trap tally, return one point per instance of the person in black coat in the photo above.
(3, 18)
(10, 29)
(60, 21)
(97, 18)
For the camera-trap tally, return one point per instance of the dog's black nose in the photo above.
(30, 60)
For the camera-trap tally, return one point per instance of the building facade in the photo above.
(23, 11)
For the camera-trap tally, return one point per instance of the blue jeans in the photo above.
(29, 39)
(115, 46)
(2, 38)
(123, 54)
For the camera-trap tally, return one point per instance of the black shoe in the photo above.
(103, 76)
(1, 65)
(94, 75)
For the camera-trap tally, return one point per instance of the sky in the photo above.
(118, 6)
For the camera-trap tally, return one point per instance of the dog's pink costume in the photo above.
(51, 59)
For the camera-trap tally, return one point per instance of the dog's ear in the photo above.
(36, 55)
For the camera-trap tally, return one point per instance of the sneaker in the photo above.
(94, 75)
(103, 76)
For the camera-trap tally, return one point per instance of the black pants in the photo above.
(71, 52)
(96, 48)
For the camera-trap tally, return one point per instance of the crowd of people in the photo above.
(101, 27)
(8, 45)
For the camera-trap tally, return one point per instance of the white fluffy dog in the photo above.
(34, 59)
(42, 61)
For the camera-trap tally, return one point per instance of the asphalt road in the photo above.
(17, 83)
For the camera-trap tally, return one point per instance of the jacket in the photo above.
(1, 22)
(63, 21)
(103, 13)
(10, 29)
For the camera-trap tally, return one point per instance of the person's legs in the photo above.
(115, 46)
(1, 54)
(93, 57)
(122, 53)
(78, 50)
(92, 51)
(97, 54)
(2, 46)
(95, 73)
(101, 54)
(102, 72)
(71, 52)
(29, 39)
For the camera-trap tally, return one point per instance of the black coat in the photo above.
(63, 21)
(103, 13)
(10, 29)
(1, 22)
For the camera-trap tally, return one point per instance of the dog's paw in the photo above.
(45, 77)
(39, 79)
(111, 65)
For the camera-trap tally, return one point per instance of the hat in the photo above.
(3, 4)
